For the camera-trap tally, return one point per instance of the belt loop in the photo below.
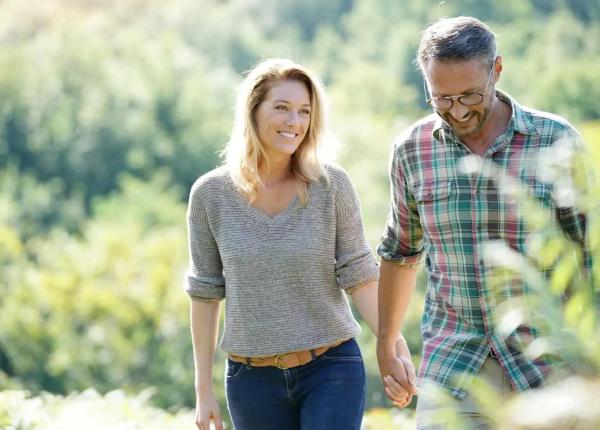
(313, 354)
(248, 360)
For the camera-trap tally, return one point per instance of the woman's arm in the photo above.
(364, 298)
(204, 316)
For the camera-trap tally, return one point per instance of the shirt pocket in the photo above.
(429, 192)
(436, 207)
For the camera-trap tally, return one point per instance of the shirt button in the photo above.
(479, 227)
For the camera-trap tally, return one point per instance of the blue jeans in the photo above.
(327, 393)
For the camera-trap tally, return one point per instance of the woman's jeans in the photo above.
(326, 393)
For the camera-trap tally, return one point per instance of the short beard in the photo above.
(481, 117)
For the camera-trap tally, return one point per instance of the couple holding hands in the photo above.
(278, 234)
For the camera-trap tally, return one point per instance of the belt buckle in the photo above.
(277, 364)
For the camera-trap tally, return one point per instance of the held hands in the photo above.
(207, 410)
(398, 373)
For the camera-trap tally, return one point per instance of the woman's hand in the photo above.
(397, 394)
(397, 372)
(207, 411)
(204, 316)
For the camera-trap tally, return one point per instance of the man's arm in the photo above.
(396, 286)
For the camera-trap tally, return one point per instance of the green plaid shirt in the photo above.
(444, 216)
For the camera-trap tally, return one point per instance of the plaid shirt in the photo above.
(446, 217)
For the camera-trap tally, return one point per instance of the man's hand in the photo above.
(207, 410)
(397, 372)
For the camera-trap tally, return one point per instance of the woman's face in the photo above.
(283, 118)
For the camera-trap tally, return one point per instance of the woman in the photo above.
(278, 234)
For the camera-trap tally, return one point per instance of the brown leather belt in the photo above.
(287, 360)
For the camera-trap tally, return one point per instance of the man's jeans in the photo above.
(326, 393)
(467, 409)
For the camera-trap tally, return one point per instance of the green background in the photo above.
(109, 110)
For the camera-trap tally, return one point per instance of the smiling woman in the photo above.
(277, 96)
(278, 234)
(283, 118)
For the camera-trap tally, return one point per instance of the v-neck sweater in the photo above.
(282, 277)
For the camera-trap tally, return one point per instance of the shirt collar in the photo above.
(519, 121)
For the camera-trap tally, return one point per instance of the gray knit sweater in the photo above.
(282, 277)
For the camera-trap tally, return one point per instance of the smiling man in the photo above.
(445, 217)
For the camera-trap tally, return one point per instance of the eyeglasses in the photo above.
(446, 102)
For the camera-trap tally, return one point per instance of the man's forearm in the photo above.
(396, 286)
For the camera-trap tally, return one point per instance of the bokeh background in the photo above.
(110, 109)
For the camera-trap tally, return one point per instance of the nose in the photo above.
(458, 110)
(292, 118)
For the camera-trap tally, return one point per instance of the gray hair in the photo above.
(461, 38)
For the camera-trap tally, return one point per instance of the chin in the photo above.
(465, 132)
(288, 150)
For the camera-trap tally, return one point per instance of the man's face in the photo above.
(447, 79)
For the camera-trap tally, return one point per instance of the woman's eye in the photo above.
(281, 107)
(305, 111)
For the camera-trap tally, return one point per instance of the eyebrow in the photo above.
(287, 102)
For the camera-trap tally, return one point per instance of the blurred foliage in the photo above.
(100, 309)
(119, 411)
(110, 101)
(116, 410)
(387, 419)
(109, 111)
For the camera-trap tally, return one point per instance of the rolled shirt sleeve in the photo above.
(402, 240)
(573, 218)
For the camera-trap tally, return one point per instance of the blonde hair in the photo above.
(244, 152)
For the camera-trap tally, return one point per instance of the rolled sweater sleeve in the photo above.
(204, 277)
(355, 263)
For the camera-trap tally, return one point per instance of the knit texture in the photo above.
(282, 277)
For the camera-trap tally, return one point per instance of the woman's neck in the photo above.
(276, 172)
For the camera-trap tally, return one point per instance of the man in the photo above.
(446, 216)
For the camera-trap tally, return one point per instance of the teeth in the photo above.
(288, 135)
